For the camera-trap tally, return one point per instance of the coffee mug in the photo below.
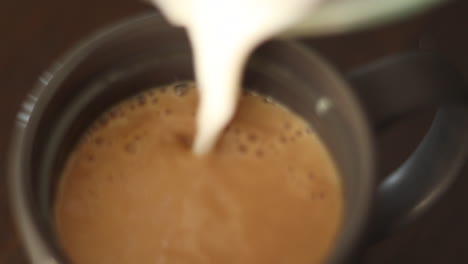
(145, 51)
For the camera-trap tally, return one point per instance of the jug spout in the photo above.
(337, 16)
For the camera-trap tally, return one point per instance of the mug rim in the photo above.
(33, 105)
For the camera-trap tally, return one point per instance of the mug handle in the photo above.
(393, 88)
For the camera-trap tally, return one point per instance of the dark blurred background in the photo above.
(34, 33)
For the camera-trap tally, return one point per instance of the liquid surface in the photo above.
(133, 192)
(223, 34)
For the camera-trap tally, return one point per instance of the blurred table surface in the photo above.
(34, 33)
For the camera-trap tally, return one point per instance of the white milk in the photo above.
(223, 33)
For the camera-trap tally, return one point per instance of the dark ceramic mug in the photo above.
(144, 52)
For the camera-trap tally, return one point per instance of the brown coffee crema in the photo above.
(133, 192)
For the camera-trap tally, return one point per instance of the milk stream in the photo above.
(223, 33)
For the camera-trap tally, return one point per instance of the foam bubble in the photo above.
(162, 89)
(185, 140)
(252, 137)
(141, 99)
(130, 148)
(243, 148)
(150, 92)
(311, 175)
(155, 100)
(181, 89)
(91, 193)
(103, 121)
(167, 112)
(321, 195)
(283, 139)
(85, 138)
(259, 153)
(110, 178)
(93, 127)
(98, 141)
(113, 114)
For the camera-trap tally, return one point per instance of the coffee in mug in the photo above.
(132, 191)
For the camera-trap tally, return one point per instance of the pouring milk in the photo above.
(223, 33)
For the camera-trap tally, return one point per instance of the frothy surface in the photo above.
(133, 192)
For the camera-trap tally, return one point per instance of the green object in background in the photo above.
(336, 16)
